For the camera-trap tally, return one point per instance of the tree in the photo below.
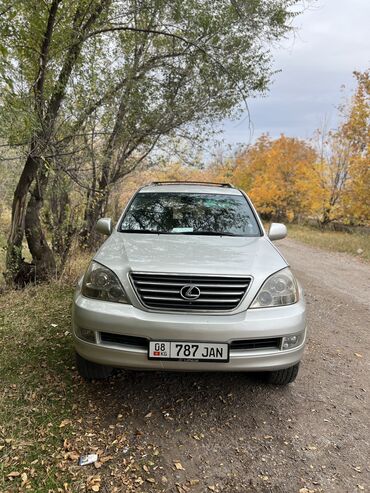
(279, 176)
(343, 164)
(356, 130)
(150, 58)
(39, 41)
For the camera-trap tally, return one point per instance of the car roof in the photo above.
(184, 187)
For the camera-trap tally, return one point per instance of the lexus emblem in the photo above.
(190, 292)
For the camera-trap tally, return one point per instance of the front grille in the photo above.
(107, 337)
(250, 344)
(162, 291)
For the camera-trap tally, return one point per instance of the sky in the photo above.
(330, 41)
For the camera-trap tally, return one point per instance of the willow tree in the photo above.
(157, 67)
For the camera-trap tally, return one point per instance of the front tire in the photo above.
(92, 371)
(283, 377)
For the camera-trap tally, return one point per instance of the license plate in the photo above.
(188, 351)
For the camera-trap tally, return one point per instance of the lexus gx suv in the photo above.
(189, 280)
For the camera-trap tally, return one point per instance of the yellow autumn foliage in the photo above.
(279, 177)
(356, 130)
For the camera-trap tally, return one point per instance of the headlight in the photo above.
(278, 290)
(101, 283)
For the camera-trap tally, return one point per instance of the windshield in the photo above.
(190, 213)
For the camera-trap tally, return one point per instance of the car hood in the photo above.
(124, 252)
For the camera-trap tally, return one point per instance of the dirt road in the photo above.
(231, 433)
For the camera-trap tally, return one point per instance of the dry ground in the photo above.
(166, 432)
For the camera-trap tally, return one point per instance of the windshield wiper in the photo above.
(151, 232)
(207, 233)
(143, 231)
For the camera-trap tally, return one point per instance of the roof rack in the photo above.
(175, 182)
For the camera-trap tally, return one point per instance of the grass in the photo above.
(49, 416)
(356, 244)
(37, 386)
(2, 256)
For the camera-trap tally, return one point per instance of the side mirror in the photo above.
(104, 226)
(277, 231)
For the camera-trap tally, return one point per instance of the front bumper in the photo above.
(116, 318)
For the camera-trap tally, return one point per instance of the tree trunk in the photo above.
(89, 237)
(14, 260)
(42, 255)
(61, 221)
(98, 199)
(40, 140)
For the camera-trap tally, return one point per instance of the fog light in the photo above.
(86, 334)
(291, 341)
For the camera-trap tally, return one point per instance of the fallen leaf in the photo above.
(149, 415)
(178, 466)
(64, 423)
(150, 480)
(311, 447)
(71, 456)
(181, 488)
(197, 437)
(66, 444)
(13, 474)
(93, 482)
(106, 458)
(359, 355)
(24, 478)
(193, 482)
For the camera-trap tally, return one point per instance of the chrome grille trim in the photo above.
(180, 284)
(161, 292)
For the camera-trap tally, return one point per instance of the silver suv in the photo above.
(189, 280)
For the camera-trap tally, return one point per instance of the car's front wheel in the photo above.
(283, 377)
(92, 371)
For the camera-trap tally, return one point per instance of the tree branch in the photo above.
(70, 60)
(114, 28)
(40, 79)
